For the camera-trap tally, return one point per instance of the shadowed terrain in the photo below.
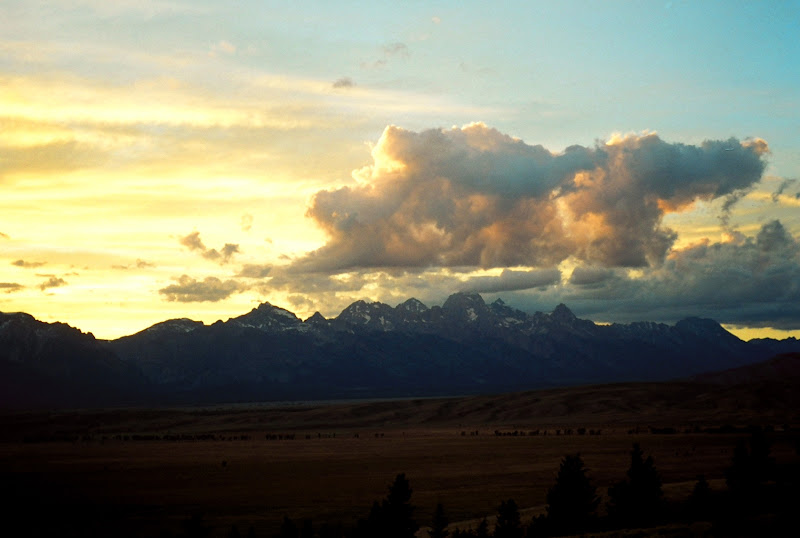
(145, 470)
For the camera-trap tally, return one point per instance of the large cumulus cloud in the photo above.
(475, 197)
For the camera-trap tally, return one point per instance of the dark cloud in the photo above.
(344, 82)
(194, 243)
(254, 271)
(52, 282)
(27, 265)
(210, 289)
(511, 280)
(474, 197)
(785, 184)
(747, 281)
(10, 287)
(591, 276)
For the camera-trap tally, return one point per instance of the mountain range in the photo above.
(464, 346)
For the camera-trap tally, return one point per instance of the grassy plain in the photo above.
(139, 472)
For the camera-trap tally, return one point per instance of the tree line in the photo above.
(759, 497)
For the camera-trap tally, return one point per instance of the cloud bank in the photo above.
(475, 197)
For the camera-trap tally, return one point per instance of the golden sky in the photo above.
(193, 159)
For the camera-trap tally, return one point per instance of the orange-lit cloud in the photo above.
(473, 196)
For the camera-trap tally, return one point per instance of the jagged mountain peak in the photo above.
(464, 306)
(705, 327)
(375, 314)
(463, 299)
(412, 305)
(563, 314)
(179, 325)
(266, 316)
(316, 318)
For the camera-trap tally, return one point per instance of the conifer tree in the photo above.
(394, 516)
(639, 499)
(439, 523)
(572, 501)
(508, 521)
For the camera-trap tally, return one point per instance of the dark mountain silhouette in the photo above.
(464, 346)
(53, 364)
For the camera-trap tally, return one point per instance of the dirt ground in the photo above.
(143, 472)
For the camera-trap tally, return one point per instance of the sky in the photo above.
(171, 158)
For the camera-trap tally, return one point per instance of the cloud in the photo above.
(210, 289)
(254, 271)
(475, 197)
(785, 184)
(742, 280)
(61, 156)
(140, 264)
(246, 222)
(510, 280)
(344, 82)
(27, 265)
(222, 47)
(194, 243)
(52, 282)
(389, 51)
(591, 276)
(4, 236)
(10, 287)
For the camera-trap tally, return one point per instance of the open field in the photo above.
(140, 472)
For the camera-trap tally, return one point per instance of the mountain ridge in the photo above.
(464, 346)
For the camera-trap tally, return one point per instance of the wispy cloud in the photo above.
(52, 282)
(223, 255)
(210, 289)
(10, 287)
(27, 265)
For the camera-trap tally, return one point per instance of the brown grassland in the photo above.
(139, 472)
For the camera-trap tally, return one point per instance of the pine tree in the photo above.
(483, 529)
(639, 499)
(572, 501)
(393, 517)
(508, 522)
(289, 528)
(439, 523)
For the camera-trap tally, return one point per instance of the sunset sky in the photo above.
(189, 158)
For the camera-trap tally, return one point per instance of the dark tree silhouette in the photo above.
(393, 517)
(194, 527)
(483, 529)
(234, 532)
(289, 529)
(750, 469)
(508, 522)
(639, 499)
(572, 501)
(439, 523)
(699, 503)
